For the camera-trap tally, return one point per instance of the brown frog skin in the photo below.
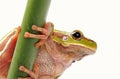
(55, 55)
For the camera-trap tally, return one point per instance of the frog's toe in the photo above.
(30, 35)
(41, 42)
(27, 35)
(42, 30)
(46, 30)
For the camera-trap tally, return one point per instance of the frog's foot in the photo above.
(32, 74)
(35, 73)
(46, 31)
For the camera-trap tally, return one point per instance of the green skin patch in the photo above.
(84, 42)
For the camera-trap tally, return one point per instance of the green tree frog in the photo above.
(58, 50)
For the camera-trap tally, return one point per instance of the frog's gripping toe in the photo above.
(45, 32)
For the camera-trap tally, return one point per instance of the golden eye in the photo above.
(76, 35)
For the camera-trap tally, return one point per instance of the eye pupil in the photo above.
(76, 35)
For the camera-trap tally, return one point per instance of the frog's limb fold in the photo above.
(46, 31)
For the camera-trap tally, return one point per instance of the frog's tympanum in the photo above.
(58, 50)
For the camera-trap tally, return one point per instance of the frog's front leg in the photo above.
(46, 31)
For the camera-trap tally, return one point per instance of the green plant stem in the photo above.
(25, 52)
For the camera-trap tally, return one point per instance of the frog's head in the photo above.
(71, 47)
(75, 43)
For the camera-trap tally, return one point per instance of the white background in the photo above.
(98, 19)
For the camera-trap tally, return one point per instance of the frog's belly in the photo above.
(45, 62)
(47, 65)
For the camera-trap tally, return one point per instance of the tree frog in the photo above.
(58, 50)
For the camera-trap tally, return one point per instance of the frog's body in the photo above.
(57, 52)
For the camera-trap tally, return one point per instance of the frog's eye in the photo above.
(77, 35)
